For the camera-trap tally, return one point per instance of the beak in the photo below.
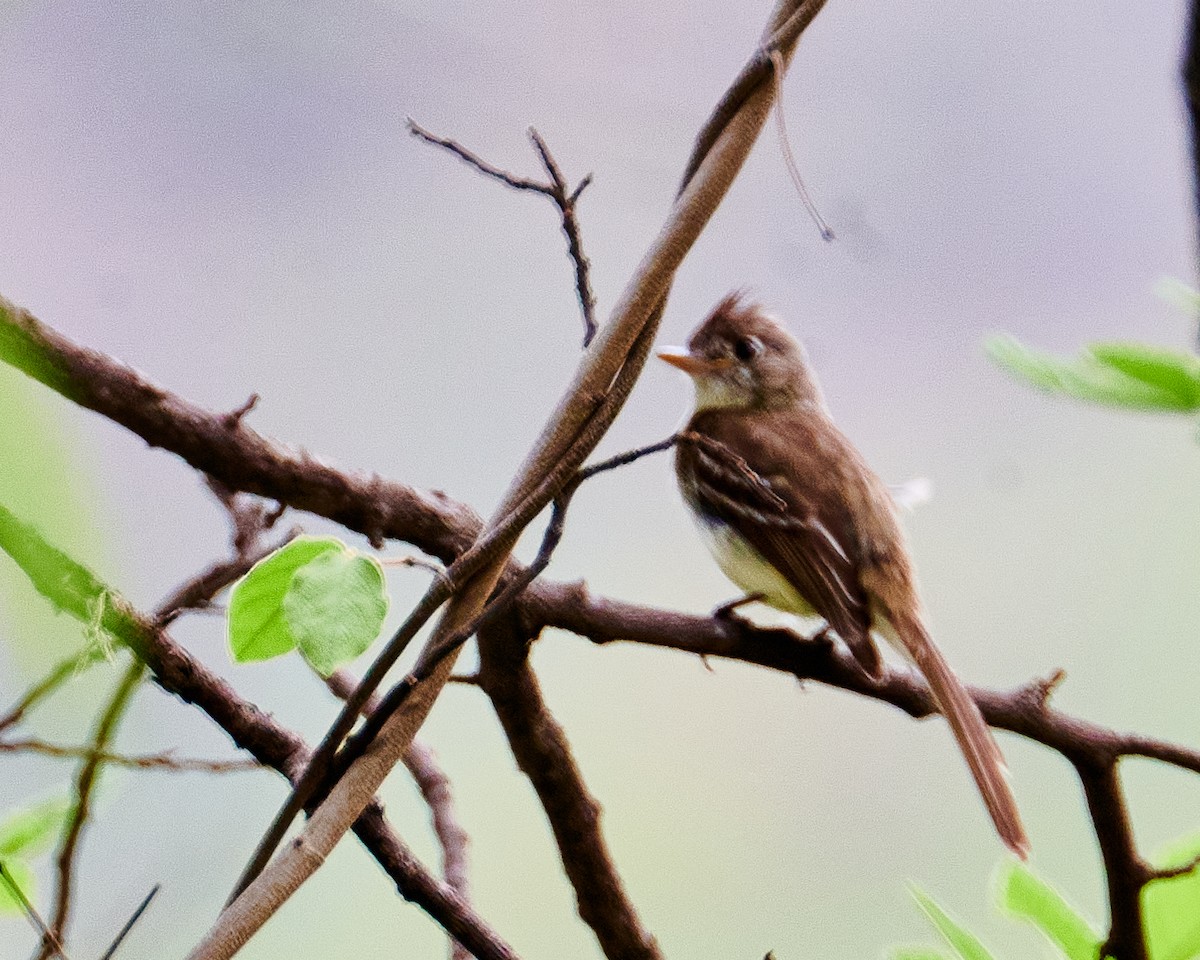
(691, 364)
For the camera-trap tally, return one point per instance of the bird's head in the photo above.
(740, 357)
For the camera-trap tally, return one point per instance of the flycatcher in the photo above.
(796, 518)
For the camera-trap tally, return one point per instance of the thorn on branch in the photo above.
(1037, 692)
(234, 418)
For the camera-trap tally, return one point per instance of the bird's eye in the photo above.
(746, 347)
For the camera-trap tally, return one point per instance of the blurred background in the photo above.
(224, 196)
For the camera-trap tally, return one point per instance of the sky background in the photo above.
(224, 196)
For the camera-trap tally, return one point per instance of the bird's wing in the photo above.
(787, 525)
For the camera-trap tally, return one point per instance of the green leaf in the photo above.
(1171, 371)
(1183, 296)
(1111, 374)
(1027, 895)
(258, 629)
(48, 479)
(335, 608)
(27, 831)
(964, 943)
(1169, 906)
(18, 872)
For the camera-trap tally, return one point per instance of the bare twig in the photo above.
(133, 918)
(61, 673)
(198, 592)
(419, 562)
(250, 520)
(434, 785)
(487, 169)
(149, 761)
(11, 885)
(557, 190)
(85, 782)
(566, 198)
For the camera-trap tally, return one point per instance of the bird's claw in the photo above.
(728, 611)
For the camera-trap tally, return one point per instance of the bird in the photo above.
(796, 518)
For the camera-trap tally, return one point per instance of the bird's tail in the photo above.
(974, 738)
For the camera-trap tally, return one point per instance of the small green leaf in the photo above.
(1027, 895)
(258, 629)
(1108, 380)
(1183, 296)
(27, 831)
(964, 943)
(335, 608)
(18, 872)
(1171, 371)
(1171, 918)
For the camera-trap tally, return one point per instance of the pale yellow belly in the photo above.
(747, 568)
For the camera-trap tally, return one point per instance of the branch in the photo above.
(544, 755)
(434, 785)
(30, 911)
(61, 673)
(85, 783)
(73, 589)
(557, 190)
(1094, 750)
(148, 761)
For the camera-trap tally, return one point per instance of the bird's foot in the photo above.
(728, 611)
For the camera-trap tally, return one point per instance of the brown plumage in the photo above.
(816, 532)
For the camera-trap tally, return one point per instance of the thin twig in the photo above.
(61, 673)
(557, 190)
(434, 785)
(30, 911)
(472, 159)
(85, 783)
(134, 918)
(148, 761)
(566, 198)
